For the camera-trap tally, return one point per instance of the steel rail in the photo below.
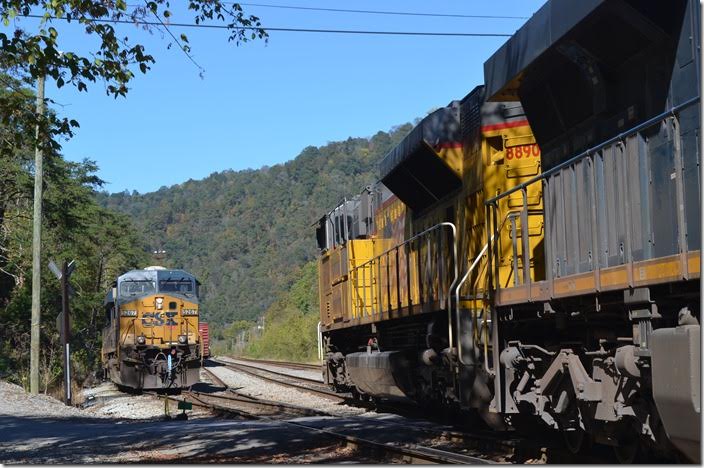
(216, 380)
(324, 393)
(282, 374)
(292, 365)
(412, 453)
(285, 407)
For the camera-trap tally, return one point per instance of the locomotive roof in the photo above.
(155, 275)
(503, 70)
(441, 126)
(150, 275)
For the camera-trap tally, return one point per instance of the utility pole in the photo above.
(66, 334)
(63, 322)
(36, 246)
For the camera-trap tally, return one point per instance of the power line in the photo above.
(303, 30)
(181, 46)
(378, 12)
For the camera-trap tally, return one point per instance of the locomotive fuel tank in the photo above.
(383, 374)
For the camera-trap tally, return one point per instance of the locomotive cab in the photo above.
(152, 338)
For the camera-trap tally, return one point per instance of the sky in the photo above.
(262, 103)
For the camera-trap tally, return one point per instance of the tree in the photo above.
(247, 234)
(75, 227)
(28, 55)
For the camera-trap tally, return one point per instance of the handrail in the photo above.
(602, 145)
(514, 251)
(457, 302)
(461, 283)
(320, 342)
(452, 226)
(409, 241)
(202, 346)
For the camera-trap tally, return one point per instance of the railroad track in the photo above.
(478, 440)
(286, 364)
(252, 408)
(504, 448)
(301, 383)
(239, 399)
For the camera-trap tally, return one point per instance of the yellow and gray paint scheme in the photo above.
(417, 271)
(548, 272)
(151, 340)
(396, 270)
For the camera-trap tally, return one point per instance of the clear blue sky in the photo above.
(262, 104)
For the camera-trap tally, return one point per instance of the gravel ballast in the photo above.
(308, 374)
(259, 388)
(14, 401)
(104, 401)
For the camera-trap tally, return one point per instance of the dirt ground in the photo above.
(122, 428)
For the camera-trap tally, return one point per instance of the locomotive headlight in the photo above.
(141, 339)
(128, 313)
(189, 312)
(183, 339)
(159, 302)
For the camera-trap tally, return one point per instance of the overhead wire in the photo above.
(379, 12)
(302, 30)
(178, 43)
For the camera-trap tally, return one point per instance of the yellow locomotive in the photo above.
(532, 252)
(152, 339)
(393, 257)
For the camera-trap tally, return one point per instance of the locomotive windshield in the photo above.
(173, 285)
(137, 287)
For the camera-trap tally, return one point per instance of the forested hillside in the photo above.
(247, 234)
(291, 322)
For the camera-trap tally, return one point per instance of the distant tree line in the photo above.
(248, 234)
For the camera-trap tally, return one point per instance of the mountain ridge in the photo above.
(246, 234)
